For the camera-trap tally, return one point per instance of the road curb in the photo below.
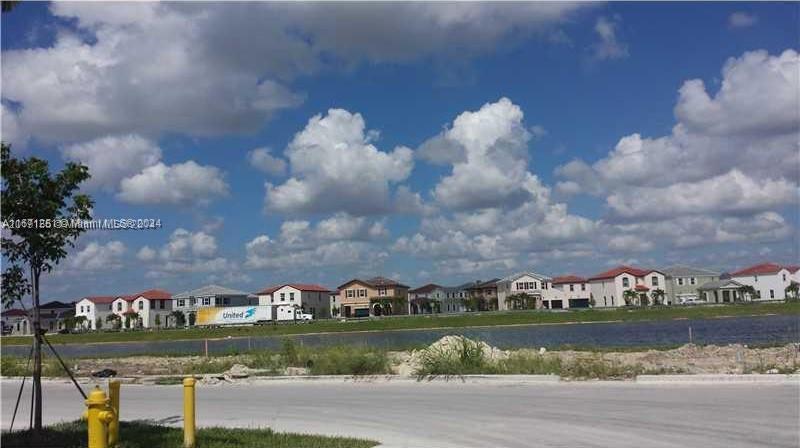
(753, 378)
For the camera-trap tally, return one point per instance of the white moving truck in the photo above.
(243, 315)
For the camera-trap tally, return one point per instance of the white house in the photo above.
(312, 299)
(575, 289)
(16, 322)
(769, 279)
(608, 288)
(148, 309)
(94, 308)
(539, 286)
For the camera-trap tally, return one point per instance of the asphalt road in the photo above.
(438, 415)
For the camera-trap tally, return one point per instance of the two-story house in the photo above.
(94, 309)
(454, 297)
(684, 282)
(608, 289)
(528, 290)
(575, 290)
(426, 299)
(377, 296)
(768, 279)
(53, 313)
(484, 294)
(312, 299)
(16, 322)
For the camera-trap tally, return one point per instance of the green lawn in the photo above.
(143, 435)
(431, 321)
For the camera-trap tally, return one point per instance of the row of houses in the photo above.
(380, 296)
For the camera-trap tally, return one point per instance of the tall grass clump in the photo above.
(346, 360)
(466, 357)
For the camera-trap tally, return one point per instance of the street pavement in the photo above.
(454, 414)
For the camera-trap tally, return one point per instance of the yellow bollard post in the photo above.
(188, 413)
(113, 426)
(98, 415)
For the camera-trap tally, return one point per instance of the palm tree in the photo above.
(630, 296)
(749, 291)
(658, 296)
(179, 318)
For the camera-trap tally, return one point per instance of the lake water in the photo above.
(744, 330)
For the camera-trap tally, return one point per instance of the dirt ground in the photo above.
(690, 359)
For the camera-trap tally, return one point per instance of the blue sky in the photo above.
(173, 106)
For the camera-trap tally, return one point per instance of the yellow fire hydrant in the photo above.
(113, 426)
(188, 413)
(98, 415)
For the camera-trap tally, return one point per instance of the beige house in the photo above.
(377, 296)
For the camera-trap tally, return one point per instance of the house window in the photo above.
(680, 281)
(381, 292)
(271, 299)
(350, 293)
(162, 304)
(181, 302)
(192, 301)
(583, 286)
(119, 306)
(291, 296)
(771, 293)
(755, 278)
(692, 280)
(625, 282)
(362, 292)
(283, 296)
(206, 301)
(654, 280)
(605, 302)
(784, 277)
(572, 287)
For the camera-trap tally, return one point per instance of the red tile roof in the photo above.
(636, 272)
(100, 299)
(568, 279)
(792, 268)
(761, 269)
(14, 312)
(641, 287)
(299, 286)
(154, 294)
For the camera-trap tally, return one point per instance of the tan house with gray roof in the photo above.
(377, 296)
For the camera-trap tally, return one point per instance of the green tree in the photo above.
(114, 320)
(192, 319)
(98, 323)
(792, 291)
(31, 195)
(749, 292)
(157, 320)
(658, 296)
(179, 317)
(80, 322)
(630, 296)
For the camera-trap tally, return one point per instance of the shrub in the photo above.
(346, 360)
(466, 358)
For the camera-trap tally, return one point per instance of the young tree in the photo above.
(31, 195)
(630, 296)
(658, 296)
(98, 323)
(749, 291)
(179, 317)
(157, 320)
(80, 322)
(192, 319)
(114, 320)
(792, 291)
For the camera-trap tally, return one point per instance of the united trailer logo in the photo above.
(235, 315)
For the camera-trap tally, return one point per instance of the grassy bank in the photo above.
(336, 360)
(144, 435)
(429, 321)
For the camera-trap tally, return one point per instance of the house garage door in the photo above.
(579, 303)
